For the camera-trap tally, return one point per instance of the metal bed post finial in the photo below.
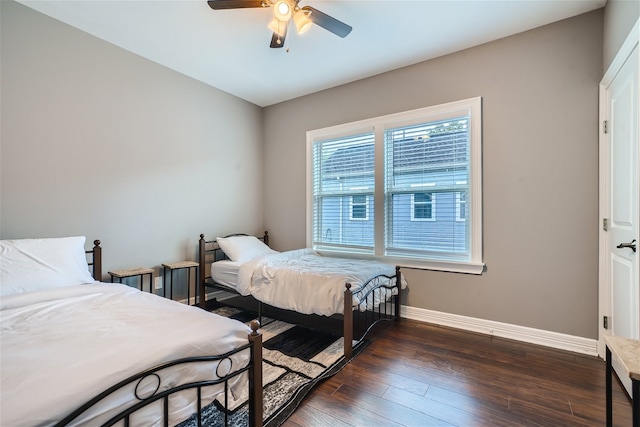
(97, 260)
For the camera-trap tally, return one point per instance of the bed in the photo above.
(76, 351)
(360, 293)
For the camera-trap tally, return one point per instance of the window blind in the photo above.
(426, 187)
(343, 191)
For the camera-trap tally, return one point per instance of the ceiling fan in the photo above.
(283, 12)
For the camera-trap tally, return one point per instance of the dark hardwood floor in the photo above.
(417, 374)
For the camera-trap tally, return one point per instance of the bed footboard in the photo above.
(253, 370)
(379, 302)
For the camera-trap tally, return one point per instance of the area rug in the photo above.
(295, 359)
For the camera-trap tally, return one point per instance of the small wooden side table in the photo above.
(139, 272)
(177, 266)
(627, 351)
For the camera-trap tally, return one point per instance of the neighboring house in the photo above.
(432, 174)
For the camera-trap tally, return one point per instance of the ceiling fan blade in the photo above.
(327, 22)
(277, 40)
(235, 4)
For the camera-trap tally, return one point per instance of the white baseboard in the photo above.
(520, 333)
(489, 327)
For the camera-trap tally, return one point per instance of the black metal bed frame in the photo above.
(156, 374)
(356, 323)
(253, 370)
(94, 259)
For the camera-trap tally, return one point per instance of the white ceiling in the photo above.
(229, 49)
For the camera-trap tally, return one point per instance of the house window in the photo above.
(359, 208)
(399, 166)
(423, 207)
(461, 206)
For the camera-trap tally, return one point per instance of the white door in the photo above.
(619, 281)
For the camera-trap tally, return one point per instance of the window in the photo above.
(461, 206)
(404, 188)
(423, 207)
(359, 208)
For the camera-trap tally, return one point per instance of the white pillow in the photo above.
(35, 264)
(243, 248)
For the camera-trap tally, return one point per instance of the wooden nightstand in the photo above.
(177, 266)
(134, 272)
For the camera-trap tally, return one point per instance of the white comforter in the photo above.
(307, 282)
(63, 346)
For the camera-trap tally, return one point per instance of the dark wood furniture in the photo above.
(355, 323)
(253, 370)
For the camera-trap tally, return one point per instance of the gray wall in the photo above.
(619, 18)
(100, 142)
(540, 156)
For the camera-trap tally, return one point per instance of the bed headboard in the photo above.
(94, 259)
(210, 250)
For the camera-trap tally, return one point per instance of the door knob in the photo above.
(631, 245)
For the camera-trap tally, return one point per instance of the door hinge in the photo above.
(605, 224)
(605, 126)
(605, 322)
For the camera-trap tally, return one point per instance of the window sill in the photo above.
(446, 266)
(413, 263)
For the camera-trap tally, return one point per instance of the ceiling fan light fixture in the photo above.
(277, 27)
(282, 10)
(302, 21)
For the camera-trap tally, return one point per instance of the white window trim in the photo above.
(471, 106)
(432, 203)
